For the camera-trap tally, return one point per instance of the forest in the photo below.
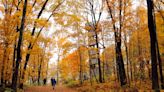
(85, 45)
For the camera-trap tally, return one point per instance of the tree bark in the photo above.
(80, 61)
(18, 59)
(3, 65)
(99, 62)
(117, 34)
(153, 39)
(127, 57)
(120, 64)
(39, 68)
(14, 57)
(160, 67)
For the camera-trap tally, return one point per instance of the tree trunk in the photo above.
(160, 66)
(39, 68)
(3, 65)
(14, 57)
(103, 71)
(153, 39)
(120, 64)
(127, 58)
(18, 60)
(119, 57)
(99, 62)
(90, 68)
(117, 34)
(130, 62)
(149, 70)
(80, 72)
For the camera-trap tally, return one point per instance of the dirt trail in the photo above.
(49, 89)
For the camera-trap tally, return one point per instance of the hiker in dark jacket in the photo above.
(44, 81)
(53, 82)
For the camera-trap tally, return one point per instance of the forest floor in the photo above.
(49, 89)
(104, 87)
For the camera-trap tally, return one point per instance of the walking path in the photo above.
(49, 89)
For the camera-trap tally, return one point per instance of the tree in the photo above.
(70, 65)
(117, 33)
(153, 42)
(19, 58)
(94, 24)
(31, 44)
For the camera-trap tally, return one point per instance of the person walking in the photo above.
(44, 81)
(53, 82)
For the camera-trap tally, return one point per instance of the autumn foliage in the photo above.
(85, 44)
